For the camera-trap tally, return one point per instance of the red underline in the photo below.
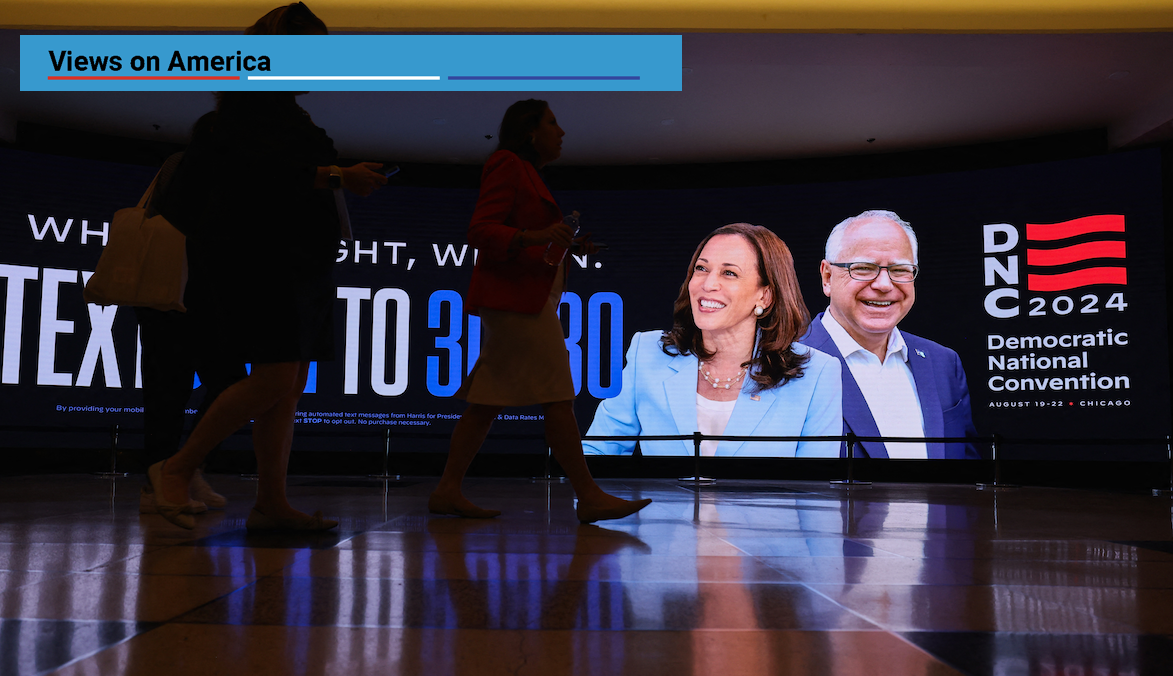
(144, 77)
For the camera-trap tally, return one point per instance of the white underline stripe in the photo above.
(344, 77)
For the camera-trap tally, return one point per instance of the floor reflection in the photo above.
(739, 578)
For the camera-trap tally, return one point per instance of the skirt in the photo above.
(523, 358)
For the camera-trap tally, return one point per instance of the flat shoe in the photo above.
(588, 514)
(263, 522)
(173, 513)
(437, 505)
(146, 504)
(203, 492)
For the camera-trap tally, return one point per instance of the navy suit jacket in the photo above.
(940, 386)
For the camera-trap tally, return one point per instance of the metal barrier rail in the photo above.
(388, 432)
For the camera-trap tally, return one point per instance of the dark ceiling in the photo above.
(745, 97)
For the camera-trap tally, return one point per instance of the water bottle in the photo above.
(554, 253)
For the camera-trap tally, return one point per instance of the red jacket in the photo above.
(512, 197)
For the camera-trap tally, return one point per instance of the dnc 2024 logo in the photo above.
(1060, 257)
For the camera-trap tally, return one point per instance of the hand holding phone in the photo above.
(585, 246)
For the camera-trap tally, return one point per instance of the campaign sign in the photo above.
(1047, 280)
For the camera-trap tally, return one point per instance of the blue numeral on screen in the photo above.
(474, 341)
(448, 342)
(574, 307)
(311, 381)
(615, 364)
(570, 308)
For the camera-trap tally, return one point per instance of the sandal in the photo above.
(176, 514)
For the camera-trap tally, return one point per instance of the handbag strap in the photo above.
(146, 198)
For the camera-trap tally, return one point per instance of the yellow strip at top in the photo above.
(611, 15)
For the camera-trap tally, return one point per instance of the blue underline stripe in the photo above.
(543, 77)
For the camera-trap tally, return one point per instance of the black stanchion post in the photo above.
(386, 475)
(1167, 491)
(997, 461)
(546, 471)
(849, 529)
(852, 440)
(850, 458)
(253, 475)
(696, 456)
(696, 505)
(998, 483)
(696, 477)
(113, 456)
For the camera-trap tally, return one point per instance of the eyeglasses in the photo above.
(901, 273)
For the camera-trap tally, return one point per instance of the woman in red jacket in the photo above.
(523, 359)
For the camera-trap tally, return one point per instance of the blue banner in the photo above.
(350, 62)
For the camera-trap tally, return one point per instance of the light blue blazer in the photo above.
(659, 397)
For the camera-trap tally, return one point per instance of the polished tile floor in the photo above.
(738, 578)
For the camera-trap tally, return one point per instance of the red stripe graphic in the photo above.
(1078, 278)
(1071, 254)
(1080, 226)
(144, 77)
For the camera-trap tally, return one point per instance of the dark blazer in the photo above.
(940, 386)
(513, 197)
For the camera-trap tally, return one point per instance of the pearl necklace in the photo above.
(718, 382)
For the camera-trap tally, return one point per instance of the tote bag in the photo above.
(144, 263)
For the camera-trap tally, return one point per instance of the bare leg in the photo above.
(272, 443)
(566, 447)
(245, 400)
(467, 438)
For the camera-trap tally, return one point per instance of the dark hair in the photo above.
(257, 105)
(294, 19)
(517, 128)
(203, 127)
(774, 361)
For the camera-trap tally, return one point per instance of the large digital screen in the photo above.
(1047, 280)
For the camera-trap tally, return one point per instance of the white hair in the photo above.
(835, 239)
